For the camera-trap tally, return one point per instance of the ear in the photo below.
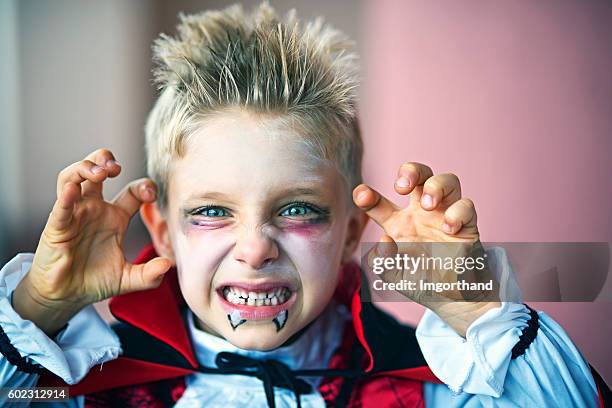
(158, 229)
(358, 220)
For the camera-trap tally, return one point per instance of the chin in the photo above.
(257, 336)
(256, 339)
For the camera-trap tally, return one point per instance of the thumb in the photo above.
(144, 276)
(375, 205)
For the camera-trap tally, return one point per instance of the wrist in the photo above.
(460, 315)
(49, 315)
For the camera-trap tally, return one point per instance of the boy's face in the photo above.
(258, 229)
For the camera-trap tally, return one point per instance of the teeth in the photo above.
(240, 296)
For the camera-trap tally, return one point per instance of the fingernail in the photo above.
(110, 163)
(426, 201)
(447, 228)
(97, 169)
(150, 191)
(361, 195)
(403, 182)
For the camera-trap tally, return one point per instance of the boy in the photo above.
(255, 207)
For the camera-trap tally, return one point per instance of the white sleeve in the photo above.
(551, 372)
(86, 341)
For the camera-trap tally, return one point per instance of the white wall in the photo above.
(83, 82)
(11, 192)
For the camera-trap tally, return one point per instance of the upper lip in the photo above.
(262, 286)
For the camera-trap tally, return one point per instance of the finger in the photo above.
(386, 247)
(410, 175)
(375, 205)
(106, 158)
(442, 189)
(61, 214)
(144, 276)
(79, 172)
(103, 158)
(135, 194)
(459, 215)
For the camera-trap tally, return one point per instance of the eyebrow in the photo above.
(217, 195)
(275, 195)
(300, 191)
(212, 195)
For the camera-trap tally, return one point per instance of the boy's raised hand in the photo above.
(79, 259)
(436, 213)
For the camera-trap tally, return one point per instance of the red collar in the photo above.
(157, 311)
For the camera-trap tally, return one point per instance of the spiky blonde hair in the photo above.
(307, 74)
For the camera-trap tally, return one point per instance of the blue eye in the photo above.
(212, 212)
(297, 210)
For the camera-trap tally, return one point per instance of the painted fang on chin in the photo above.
(235, 319)
(280, 320)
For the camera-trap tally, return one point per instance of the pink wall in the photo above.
(516, 99)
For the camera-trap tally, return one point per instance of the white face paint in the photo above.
(257, 227)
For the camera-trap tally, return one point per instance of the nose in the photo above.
(255, 249)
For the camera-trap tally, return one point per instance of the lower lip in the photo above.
(256, 312)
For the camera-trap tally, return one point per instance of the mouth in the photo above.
(256, 302)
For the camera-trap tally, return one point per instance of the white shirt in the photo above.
(313, 349)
